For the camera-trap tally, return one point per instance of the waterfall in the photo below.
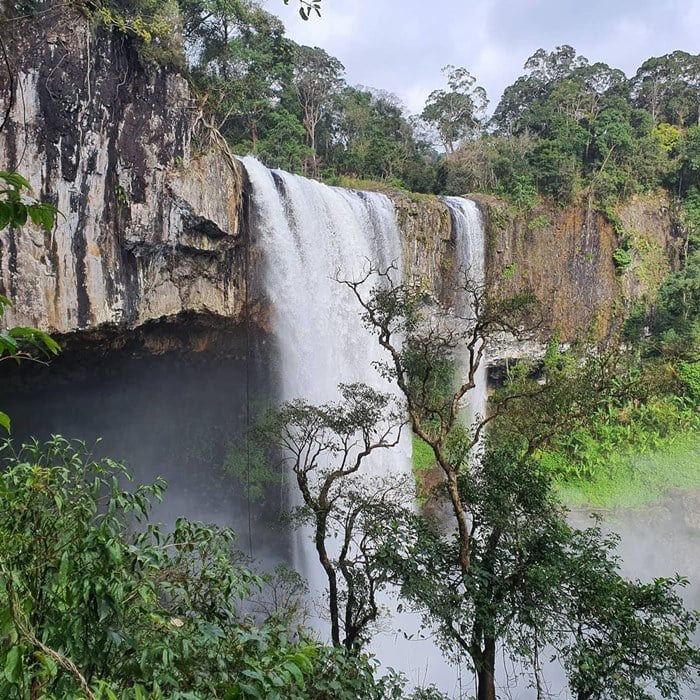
(310, 236)
(469, 239)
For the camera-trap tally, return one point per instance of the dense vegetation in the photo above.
(97, 602)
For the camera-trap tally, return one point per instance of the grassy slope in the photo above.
(639, 480)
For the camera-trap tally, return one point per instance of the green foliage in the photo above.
(616, 434)
(324, 447)
(689, 374)
(423, 456)
(622, 258)
(630, 480)
(307, 7)
(508, 272)
(154, 25)
(539, 223)
(675, 322)
(629, 639)
(612, 457)
(97, 602)
(17, 205)
(20, 343)
(455, 113)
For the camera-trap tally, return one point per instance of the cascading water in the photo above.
(469, 239)
(312, 235)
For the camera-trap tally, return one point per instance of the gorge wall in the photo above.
(146, 230)
(153, 220)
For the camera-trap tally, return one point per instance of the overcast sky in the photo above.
(401, 45)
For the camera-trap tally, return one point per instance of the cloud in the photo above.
(401, 47)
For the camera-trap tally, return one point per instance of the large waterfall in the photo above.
(311, 235)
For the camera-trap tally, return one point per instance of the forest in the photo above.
(99, 601)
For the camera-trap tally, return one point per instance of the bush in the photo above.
(689, 374)
(96, 602)
(622, 258)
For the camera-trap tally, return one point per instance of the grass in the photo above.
(354, 183)
(639, 480)
(423, 456)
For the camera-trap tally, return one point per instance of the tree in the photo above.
(369, 136)
(669, 88)
(515, 112)
(324, 447)
(516, 532)
(618, 637)
(455, 113)
(422, 345)
(317, 77)
(240, 59)
(502, 575)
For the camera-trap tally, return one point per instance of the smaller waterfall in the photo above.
(469, 238)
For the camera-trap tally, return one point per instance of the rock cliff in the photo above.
(566, 256)
(147, 230)
(153, 218)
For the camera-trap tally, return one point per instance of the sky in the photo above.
(402, 45)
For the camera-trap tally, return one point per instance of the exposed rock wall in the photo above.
(429, 253)
(146, 230)
(565, 256)
(149, 232)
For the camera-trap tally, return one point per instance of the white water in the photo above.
(469, 238)
(312, 235)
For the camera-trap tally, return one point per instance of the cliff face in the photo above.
(146, 231)
(429, 255)
(566, 257)
(151, 231)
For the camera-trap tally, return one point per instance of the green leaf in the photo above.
(13, 665)
(20, 214)
(295, 672)
(5, 214)
(37, 338)
(15, 180)
(5, 421)
(7, 341)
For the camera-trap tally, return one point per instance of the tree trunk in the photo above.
(254, 135)
(324, 559)
(460, 515)
(486, 671)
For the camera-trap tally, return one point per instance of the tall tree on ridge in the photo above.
(456, 113)
(317, 78)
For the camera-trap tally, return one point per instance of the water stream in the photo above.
(312, 235)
